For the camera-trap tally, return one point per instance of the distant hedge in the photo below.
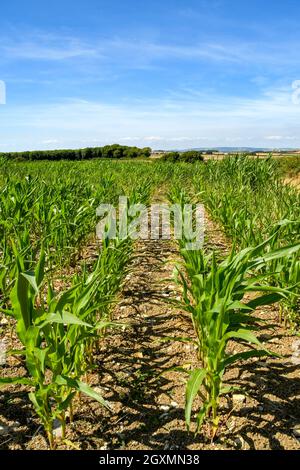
(190, 156)
(108, 151)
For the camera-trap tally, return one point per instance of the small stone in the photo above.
(4, 321)
(273, 340)
(260, 408)
(139, 355)
(262, 363)
(230, 424)
(225, 406)
(3, 347)
(238, 398)
(296, 431)
(174, 404)
(4, 430)
(295, 346)
(164, 408)
(57, 429)
(295, 358)
(105, 446)
(98, 390)
(239, 442)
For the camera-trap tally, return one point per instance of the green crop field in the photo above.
(60, 289)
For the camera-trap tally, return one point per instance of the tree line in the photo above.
(114, 151)
(189, 156)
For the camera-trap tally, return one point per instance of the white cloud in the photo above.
(281, 138)
(130, 139)
(153, 138)
(37, 46)
(142, 52)
(177, 121)
(50, 141)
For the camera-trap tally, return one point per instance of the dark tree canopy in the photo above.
(108, 151)
(190, 156)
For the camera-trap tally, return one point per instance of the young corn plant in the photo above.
(215, 294)
(286, 272)
(247, 197)
(55, 341)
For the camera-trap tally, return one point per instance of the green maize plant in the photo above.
(55, 338)
(9, 266)
(286, 271)
(60, 332)
(55, 205)
(247, 197)
(290, 306)
(214, 293)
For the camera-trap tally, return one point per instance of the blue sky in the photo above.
(166, 74)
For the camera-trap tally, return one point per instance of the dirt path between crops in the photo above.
(132, 373)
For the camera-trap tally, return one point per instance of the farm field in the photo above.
(138, 344)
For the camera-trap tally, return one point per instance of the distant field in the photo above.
(221, 156)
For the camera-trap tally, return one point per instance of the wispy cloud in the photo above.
(38, 46)
(281, 137)
(142, 52)
(162, 90)
(272, 119)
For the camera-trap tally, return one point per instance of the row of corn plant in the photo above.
(55, 204)
(247, 197)
(54, 333)
(215, 293)
(59, 332)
